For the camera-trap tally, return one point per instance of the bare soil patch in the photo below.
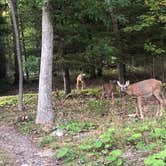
(21, 149)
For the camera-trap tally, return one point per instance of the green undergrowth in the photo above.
(27, 128)
(13, 100)
(90, 92)
(48, 141)
(74, 127)
(95, 132)
(156, 159)
(4, 160)
(108, 147)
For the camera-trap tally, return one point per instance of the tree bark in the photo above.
(16, 70)
(99, 72)
(45, 114)
(121, 59)
(2, 66)
(19, 59)
(92, 73)
(23, 47)
(66, 79)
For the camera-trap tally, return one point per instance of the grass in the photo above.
(4, 160)
(95, 131)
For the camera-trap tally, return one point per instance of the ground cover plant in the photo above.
(95, 131)
(4, 160)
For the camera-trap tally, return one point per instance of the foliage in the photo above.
(12, 100)
(157, 159)
(90, 92)
(153, 48)
(9, 100)
(83, 32)
(114, 158)
(74, 127)
(32, 64)
(152, 19)
(66, 153)
(159, 133)
(47, 140)
(98, 140)
(98, 106)
(4, 160)
(135, 137)
(27, 127)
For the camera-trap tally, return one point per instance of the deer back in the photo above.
(144, 88)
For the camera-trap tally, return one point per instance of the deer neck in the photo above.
(129, 91)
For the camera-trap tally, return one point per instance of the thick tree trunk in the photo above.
(92, 73)
(2, 66)
(44, 111)
(121, 58)
(66, 79)
(17, 41)
(121, 71)
(99, 72)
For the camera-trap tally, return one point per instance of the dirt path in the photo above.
(22, 151)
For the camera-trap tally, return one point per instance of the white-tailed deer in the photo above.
(108, 90)
(142, 89)
(80, 81)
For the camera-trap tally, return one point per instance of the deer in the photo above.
(108, 90)
(80, 81)
(145, 88)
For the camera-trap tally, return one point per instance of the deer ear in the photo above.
(127, 83)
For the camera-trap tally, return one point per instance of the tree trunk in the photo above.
(44, 111)
(16, 70)
(99, 72)
(2, 66)
(92, 73)
(23, 47)
(121, 72)
(66, 79)
(121, 59)
(17, 41)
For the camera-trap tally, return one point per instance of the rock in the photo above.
(57, 132)
(25, 165)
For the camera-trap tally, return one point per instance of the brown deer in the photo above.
(80, 81)
(108, 90)
(142, 89)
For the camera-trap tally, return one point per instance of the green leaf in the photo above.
(62, 153)
(153, 162)
(98, 144)
(114, 155)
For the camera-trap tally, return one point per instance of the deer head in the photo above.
(123, 87)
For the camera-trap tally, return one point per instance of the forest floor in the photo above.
(21, 150)
(95, 132)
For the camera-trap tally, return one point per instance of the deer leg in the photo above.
(77, 85)
(112, 97)
(139, 102)
(161, 103)
(82, 85)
